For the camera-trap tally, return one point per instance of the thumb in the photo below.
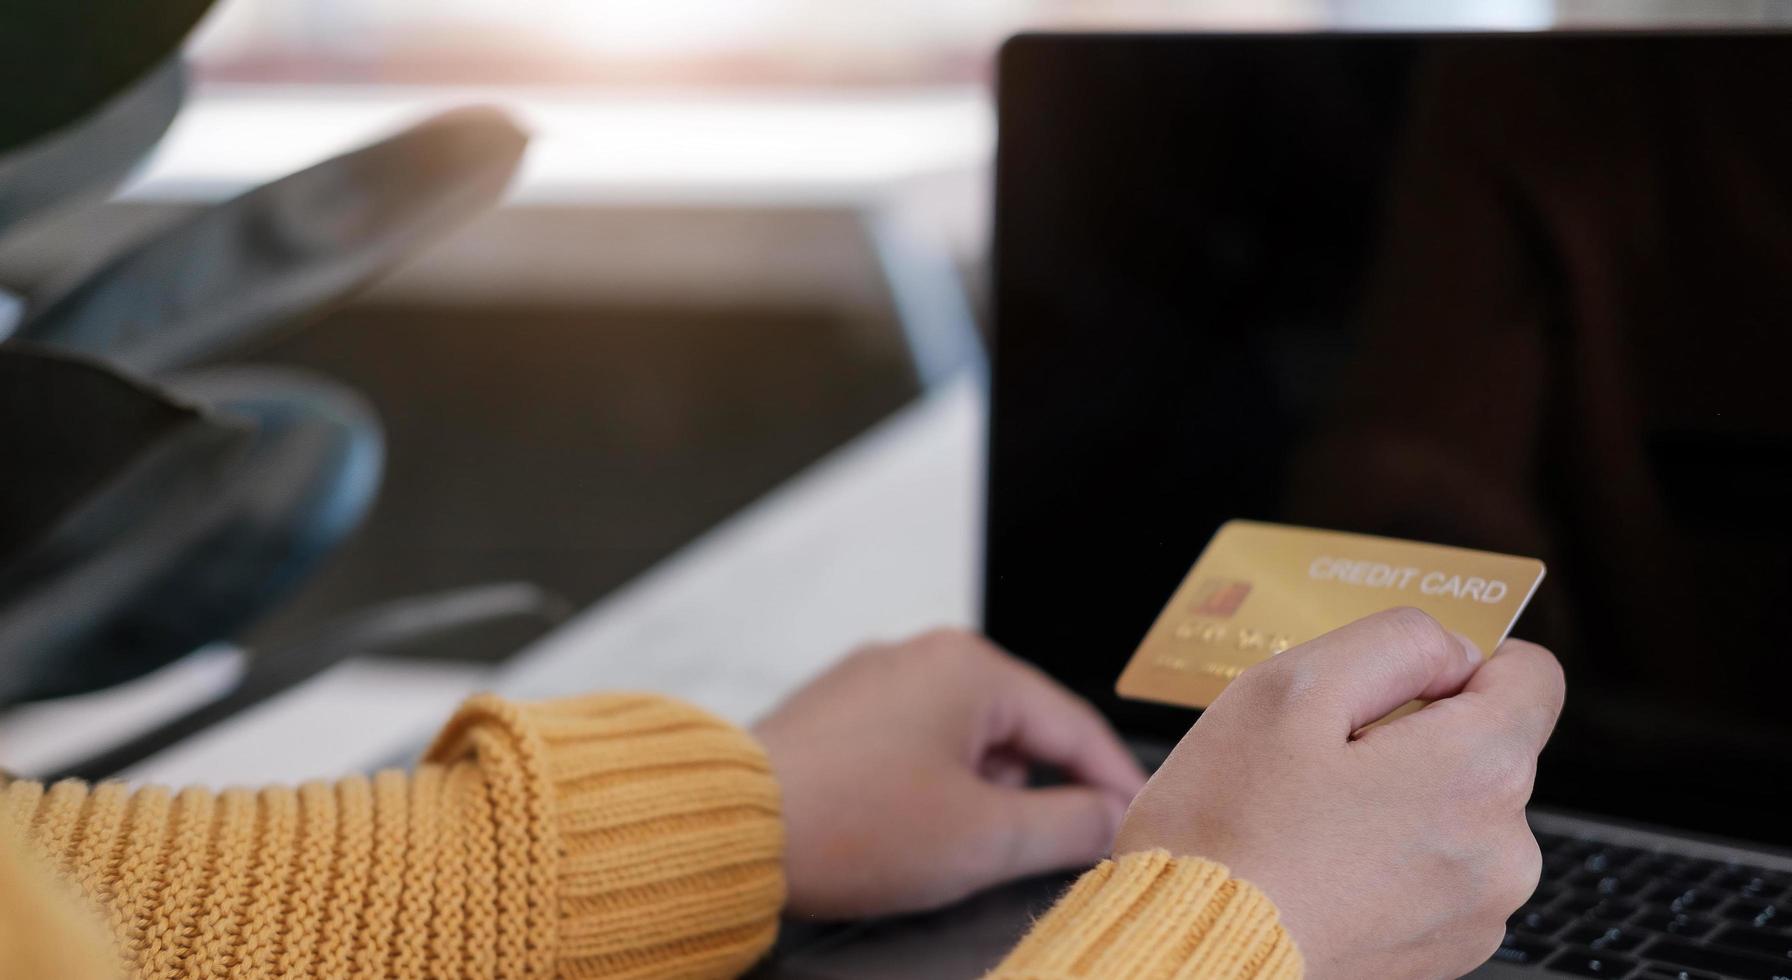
(1372, 666)
(1058, 828)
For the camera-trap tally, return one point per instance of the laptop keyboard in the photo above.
(1603, 910)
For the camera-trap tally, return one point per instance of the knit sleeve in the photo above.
(666, 820)
(1152, 915)
(605, 836)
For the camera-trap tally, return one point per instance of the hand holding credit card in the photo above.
(1260, 588)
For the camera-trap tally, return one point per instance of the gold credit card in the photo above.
(1260, 588)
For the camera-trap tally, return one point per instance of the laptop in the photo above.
(1524, 293)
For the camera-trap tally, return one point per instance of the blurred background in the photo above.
(743, 232)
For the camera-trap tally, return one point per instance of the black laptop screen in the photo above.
(1522, 293)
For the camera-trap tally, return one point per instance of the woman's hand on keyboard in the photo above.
(904, 772)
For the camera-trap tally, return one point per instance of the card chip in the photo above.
(1219, 597)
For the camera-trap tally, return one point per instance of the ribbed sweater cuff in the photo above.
(668, 832)
(1152, 915)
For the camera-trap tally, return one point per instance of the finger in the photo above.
(1364, 670)
(1044, 722)
(1524, 687)
(1057, 828)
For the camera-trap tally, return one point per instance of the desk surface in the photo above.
(876, 541)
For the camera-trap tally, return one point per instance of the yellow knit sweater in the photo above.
(606, 836)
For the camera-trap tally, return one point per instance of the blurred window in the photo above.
(641, 42)
(704, 43)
